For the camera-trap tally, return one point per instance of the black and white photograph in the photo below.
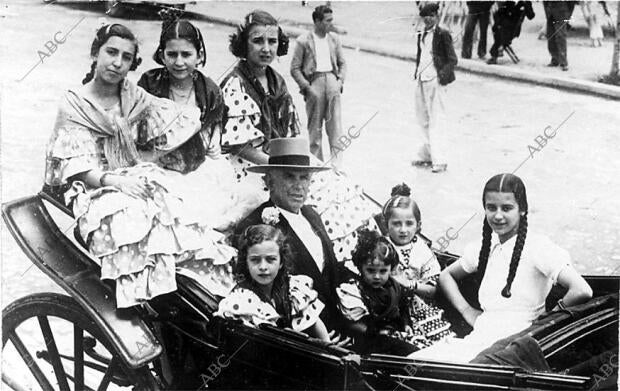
(309, 195)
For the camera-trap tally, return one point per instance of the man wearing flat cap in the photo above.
(287, 176)
(435, 62)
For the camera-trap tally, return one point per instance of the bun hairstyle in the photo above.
(401, 198)
(102, 36)
(372, 245)
(174, 28)
(505, 183)
(256, 234)
(239, 40)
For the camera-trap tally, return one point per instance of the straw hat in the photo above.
(290, 153)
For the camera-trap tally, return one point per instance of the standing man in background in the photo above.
(435, 62)
(319, 68)
(558, 14)
(478, 12)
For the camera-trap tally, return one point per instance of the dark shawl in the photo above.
(279, 118)
(211, 104)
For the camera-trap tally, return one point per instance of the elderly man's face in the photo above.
(288, 189)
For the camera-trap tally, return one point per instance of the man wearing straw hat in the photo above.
(287, 176)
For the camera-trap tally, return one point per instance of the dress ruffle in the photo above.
(172, 125)
(72, 151)
(140, 242)
(245, 305)
(305, 305)
(243, 116)
(351, 303)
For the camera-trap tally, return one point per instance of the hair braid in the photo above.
(516, 255)
(483, 258)
(89, 76)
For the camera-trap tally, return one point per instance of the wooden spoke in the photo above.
(32, 365)
(54, 356)
(105, 382)
(78, 354)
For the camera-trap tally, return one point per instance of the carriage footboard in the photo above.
(57, 256)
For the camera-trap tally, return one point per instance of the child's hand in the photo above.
(408, 330)
(338, 340)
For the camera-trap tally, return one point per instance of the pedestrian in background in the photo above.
(319, 68)
(558, 14)
(507, 21)
(435, 62)
(477, 13)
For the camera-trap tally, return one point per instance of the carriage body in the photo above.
(176, 343)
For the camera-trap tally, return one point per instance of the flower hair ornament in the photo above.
(271, 215)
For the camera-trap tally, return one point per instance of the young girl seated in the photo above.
(517, 269)
(417, 268)
(265, 292)
(377, 306)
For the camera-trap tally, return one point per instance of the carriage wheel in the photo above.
(48, 340)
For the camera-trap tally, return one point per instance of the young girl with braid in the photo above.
(517, 267)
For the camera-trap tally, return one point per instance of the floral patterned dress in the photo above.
(253, 117)
(244, 304)
(418, 263)
(138, 242)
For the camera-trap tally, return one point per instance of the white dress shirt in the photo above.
(307, 235)
(427, 71)
(321, 49)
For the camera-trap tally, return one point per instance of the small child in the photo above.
(418, 267)
(376, 305)
(265, 292)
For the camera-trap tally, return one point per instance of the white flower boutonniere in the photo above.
(270, 215)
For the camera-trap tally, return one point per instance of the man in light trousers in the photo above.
(435, 62)
(319, 68)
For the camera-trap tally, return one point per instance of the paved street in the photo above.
(571, 181)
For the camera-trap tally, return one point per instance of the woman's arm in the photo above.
(134, 186)
(248, 152)
(448, 283)
(578, 289)
(426, 290)
(318, 330)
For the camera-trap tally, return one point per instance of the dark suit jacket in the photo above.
(444, 56)
(302, 262)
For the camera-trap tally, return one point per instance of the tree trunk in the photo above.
(614, 73)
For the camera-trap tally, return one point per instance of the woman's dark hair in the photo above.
(239, 40)
(372, 245)
(102, 36)
(401, 198)
(174, 28)
(256, 234)
(505, 183)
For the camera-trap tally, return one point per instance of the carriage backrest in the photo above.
(59, 258)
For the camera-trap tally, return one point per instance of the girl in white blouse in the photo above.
(518, 269)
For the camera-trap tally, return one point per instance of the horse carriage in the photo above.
(81, 341)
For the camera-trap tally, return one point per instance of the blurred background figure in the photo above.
(478, 13)
(558, 15)
(319, 68)
(507, 22)
(590, 15)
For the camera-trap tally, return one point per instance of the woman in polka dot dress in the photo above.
(259, 108)
(266, 293)
(127, 207)
(258, 104)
